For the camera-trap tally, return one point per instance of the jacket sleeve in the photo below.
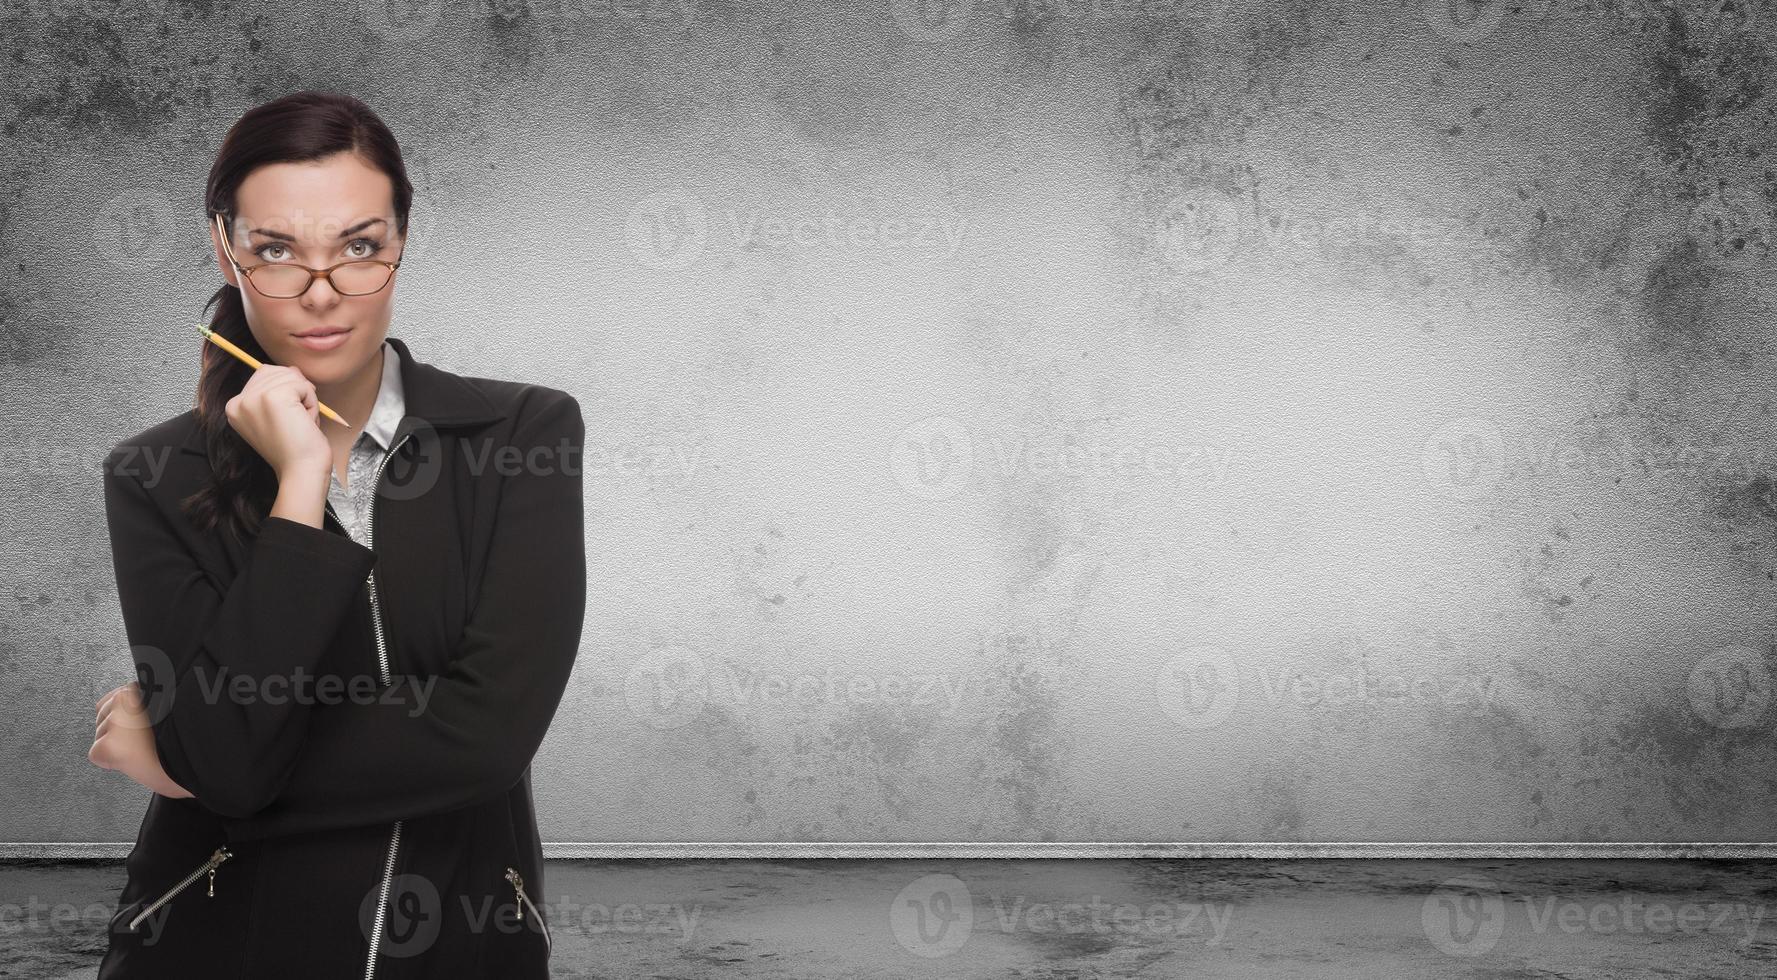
(411, 751)
(211, 660)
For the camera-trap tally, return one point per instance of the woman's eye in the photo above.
(359, 248)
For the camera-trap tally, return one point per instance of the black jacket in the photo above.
(341, 797)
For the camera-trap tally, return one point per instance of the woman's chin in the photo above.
(325, 366)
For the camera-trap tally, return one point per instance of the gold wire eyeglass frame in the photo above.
(327, 273)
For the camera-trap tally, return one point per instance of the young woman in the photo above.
(350, 640)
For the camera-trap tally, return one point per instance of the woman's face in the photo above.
(317, 214)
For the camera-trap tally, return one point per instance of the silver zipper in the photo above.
(524, 901)
(382, 661)
(376, 615)
(220, 855)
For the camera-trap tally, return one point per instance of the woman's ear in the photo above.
(222, 262)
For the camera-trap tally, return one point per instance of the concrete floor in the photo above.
(1330, 919)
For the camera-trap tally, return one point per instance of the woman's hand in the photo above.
(277, 413)
(124, 741)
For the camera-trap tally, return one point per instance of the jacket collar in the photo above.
(433, 395)
(390, 406)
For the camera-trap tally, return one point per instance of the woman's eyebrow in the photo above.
(349, 232)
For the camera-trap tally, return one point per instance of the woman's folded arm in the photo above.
(434, 744)
(213, 663)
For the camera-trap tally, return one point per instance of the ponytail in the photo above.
(242, 485)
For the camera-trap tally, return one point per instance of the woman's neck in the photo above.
(353, 398)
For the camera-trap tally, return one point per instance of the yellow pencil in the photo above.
(254, 363)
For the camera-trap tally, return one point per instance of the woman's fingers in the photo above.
(127, 697)
(108, 697)
(262, 416)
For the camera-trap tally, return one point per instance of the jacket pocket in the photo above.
(208, 867)
(524, 904)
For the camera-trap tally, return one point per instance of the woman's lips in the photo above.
(325, 341)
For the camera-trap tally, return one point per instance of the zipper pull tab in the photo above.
(517, 880)
(222, 854)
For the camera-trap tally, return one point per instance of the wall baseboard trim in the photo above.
(1279, 850)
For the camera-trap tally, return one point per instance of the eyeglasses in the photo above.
(287, 280)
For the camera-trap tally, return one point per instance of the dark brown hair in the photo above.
(298, 128)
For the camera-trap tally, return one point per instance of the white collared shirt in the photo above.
(353, 502)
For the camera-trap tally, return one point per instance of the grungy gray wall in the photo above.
(1012, 421)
